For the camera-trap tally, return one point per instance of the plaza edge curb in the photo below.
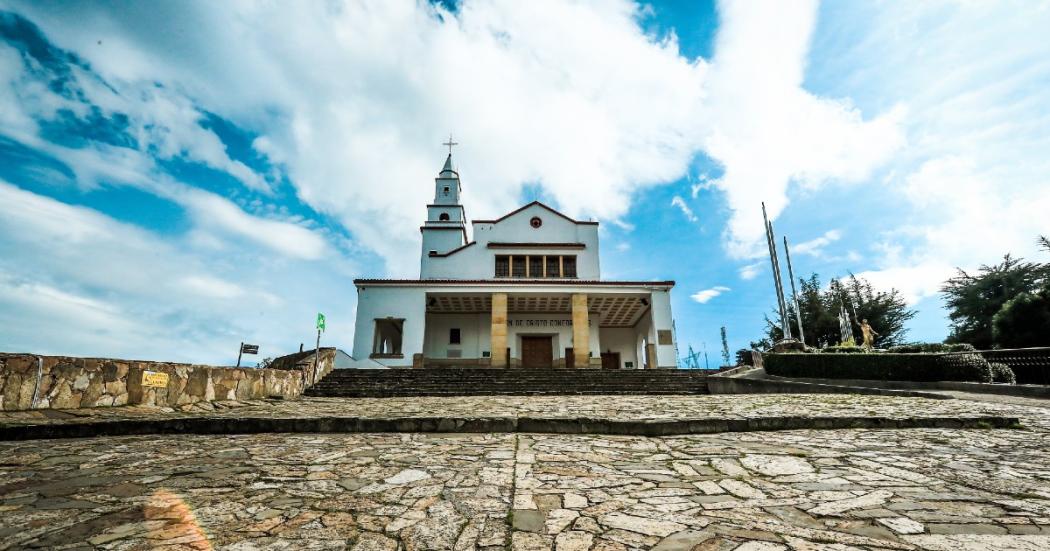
(556, 425)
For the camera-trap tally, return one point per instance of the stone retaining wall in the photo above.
(29, 381)
(304, 363)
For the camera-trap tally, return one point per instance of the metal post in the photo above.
(785, 324)
(240, 350)
(780, 285)
(773, 265)
(794, 294)
(317, 350)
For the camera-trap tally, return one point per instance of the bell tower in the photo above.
(446, 225)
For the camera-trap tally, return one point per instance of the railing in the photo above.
(1031, 365)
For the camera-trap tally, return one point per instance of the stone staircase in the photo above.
(458, 381)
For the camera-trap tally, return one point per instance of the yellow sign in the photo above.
(154, 378)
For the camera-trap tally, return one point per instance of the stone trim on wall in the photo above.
(29, 381)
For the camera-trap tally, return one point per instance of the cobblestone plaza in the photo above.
(805, 489)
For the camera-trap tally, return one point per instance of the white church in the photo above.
(523, 290)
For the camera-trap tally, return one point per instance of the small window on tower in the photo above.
(443, 217)
(445, 190)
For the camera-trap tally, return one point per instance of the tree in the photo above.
(973, 300)
(886, 311)
(1023, 321)
(1044, 242)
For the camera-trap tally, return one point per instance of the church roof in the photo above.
(447, 171)
(515, 282)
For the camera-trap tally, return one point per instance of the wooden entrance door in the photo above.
(610, 360)
(536, 352)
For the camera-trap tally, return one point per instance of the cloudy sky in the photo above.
(176, 177)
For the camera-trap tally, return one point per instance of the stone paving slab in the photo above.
(798, 490)
(595, 407)
(561, 425)
(638, 415)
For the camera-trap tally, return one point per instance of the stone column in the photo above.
(581, 331)
(498, 348)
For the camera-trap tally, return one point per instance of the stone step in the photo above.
(456, 381)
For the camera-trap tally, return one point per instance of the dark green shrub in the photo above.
(1001, 373)
(884, 366)
(842, 350)
(973, 365)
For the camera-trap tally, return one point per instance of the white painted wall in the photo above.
(408, 303)
(478, 261)
(622, 340)
(660, 302)
(474, 334)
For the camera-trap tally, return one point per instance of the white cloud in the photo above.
(75, 281)
(212, 287)
(976, 178)
(677, 201)
(751, 271)
(968, 219)
(707, 294)
(702, 183)
(767, 131)
(213, 212)
(623, 246)
(815, 247)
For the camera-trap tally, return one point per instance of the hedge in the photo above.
(843, 350)
(884, 366)
(930, 347)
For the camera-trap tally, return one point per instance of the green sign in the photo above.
(320, 321)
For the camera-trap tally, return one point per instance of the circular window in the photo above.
(536, 222)
(443, 217)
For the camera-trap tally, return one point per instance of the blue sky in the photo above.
(177, 178)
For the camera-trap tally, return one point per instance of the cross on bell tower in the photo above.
(450, 143)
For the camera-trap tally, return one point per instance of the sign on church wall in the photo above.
(543, 322)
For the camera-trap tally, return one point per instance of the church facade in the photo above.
(523, 290)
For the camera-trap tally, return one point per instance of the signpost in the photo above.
(317, 348)
(246, 349)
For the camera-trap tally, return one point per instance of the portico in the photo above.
(611, 325)
(526, 292)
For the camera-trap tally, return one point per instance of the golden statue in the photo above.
(868, 333)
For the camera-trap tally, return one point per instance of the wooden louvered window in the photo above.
(502, 266)
(517, 266)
